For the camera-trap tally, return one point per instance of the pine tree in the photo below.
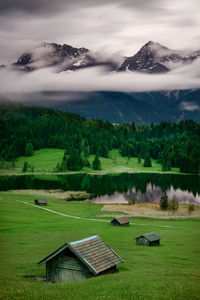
(147, 160)
(29, 149)
(96, 164)
(164, 201)
(165, 160)
(25, 166)
(74, 162)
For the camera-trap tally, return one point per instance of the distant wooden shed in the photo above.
(80, 260)
(40, 201)
(120, 221)
(149, 239)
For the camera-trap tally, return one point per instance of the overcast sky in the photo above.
(116, 26)
(121, 27)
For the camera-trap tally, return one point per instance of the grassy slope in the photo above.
(47, 159)
(28, 234)
(42, 159)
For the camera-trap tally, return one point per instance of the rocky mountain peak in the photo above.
(156, 58)
(151, 58)
(62, 57)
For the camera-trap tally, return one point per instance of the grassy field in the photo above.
(42, 159)
(47, 159)
(28, 234)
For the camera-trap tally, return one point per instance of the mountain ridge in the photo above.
(120, 107)
(151, 58)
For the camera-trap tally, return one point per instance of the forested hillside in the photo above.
(24, 129)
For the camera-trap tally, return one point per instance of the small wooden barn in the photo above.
(149, 239)
(80, 260)
(40, 201)
(120, 221)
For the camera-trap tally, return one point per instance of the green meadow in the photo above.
(45, 160)
(28, 234)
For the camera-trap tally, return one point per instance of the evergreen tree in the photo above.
(25, 167)
(74, 162)
(147, 160)
(29, 149)
(164, 201)
(85, 162)
(165, 159)
(139, 158)
(96, 164)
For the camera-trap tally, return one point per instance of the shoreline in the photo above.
(11, 172)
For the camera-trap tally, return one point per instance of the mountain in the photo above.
(154, 58)
(115, 107)
(151, 58)
(118, 107)
(63, 57)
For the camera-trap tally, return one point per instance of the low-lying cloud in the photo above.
(97, 79)
(189, 106)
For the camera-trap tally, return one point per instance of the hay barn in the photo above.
(40, 201)
(80, 260)
(120, 221)
(149, 239)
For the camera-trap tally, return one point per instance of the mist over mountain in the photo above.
(63, 58)
(151, 58)
(154, 58)
(119, 107)
(156, 84)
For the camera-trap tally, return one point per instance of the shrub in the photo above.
(173, 204)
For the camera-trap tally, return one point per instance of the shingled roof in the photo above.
(41, 201)
(122, 220)
(150, 236)
(92, 251)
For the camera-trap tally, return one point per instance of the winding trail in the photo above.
(83, 218)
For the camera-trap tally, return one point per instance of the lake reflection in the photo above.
(116, 188)
(152, 194)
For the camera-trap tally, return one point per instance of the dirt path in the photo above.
(82, 218)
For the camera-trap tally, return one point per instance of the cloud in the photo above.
(52, 6)
(93, 79)
(189, 106)
(123, 25)
(120, 26)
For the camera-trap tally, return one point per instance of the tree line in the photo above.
(24, 129)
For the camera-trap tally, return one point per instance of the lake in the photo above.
(113, 188)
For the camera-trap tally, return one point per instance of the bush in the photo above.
(131, 200)
(173, 204)
(191, 207)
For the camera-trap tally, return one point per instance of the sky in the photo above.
(120, 27)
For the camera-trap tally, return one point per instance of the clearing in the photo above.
(45, 161)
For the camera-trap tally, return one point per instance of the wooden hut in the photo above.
(80, 260)
(40, 201)
(120, 221)
(149, 239)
